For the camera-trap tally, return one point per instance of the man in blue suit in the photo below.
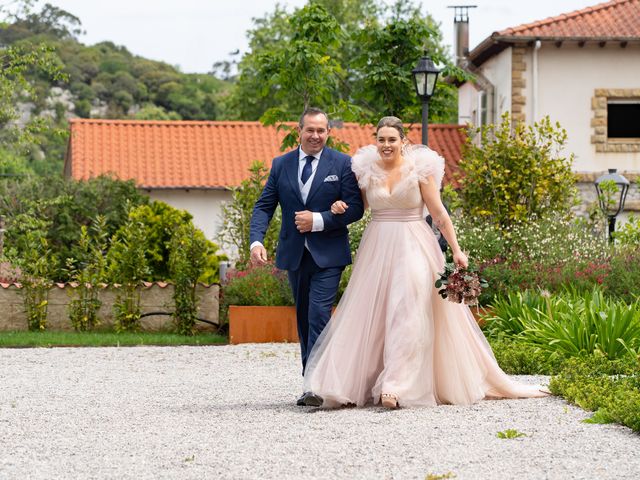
(313, 245)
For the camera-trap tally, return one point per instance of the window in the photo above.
(623, 118)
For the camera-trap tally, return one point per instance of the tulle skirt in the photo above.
(392, 332)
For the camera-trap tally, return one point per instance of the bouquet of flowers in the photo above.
(460, 285)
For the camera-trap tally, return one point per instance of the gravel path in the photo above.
(229, 412)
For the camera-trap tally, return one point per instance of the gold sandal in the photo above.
(389, 400)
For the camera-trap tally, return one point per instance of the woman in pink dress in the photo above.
(393, 339)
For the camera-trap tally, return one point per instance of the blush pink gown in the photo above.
(392, 332)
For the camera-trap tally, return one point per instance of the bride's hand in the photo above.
(460, 260)
(339, 207)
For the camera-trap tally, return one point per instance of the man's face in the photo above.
(313, 133)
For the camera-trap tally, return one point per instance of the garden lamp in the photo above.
(610, 206)
(425, 76)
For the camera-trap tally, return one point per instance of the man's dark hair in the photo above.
(312, 111)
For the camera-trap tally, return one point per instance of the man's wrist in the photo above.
(318, 222)
(255, 244)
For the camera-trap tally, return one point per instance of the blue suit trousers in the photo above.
(314, 290)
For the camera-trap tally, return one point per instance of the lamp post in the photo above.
(609, 207)
(425, 76)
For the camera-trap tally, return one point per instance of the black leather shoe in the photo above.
(312, 400)
(300, 401)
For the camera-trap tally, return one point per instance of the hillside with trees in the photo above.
(357, 57)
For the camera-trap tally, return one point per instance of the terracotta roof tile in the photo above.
(207, 155)
(615, 19)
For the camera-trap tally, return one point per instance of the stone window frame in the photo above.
(599, 137)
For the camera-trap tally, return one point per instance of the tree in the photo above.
(15, 63)
(357, 72)
(237, 217)
(50, 21)
(516, 172)
(388, 53)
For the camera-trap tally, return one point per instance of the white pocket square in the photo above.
(331, 178)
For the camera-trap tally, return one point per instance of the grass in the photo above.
(103, 339)
(510, 433)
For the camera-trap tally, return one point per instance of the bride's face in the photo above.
(389, 143)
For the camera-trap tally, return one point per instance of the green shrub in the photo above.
(67, 205)
(570, 324)
(540, 253)
(236, 217)
(628, 234)
(518, 358)
(35, 261)
(127, 266)
(509, 314)
(186, 264)
(88, 272)
(161, 221)
(609, 388)
(622, 280)
(516, 172)
(261, 286)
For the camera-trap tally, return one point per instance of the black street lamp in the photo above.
(425, 76)
(609, 207)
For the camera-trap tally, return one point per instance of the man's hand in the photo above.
(304, 221)
(258, 255)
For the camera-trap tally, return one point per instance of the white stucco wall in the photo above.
(467, 103)
(204, 205)
(568, 77)
(498, 71)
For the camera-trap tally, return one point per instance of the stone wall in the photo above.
(156, 297)
(599, 106)
(518, 84)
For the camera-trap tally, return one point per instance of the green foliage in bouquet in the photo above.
(460, 285)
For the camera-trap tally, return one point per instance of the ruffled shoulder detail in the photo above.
(365, 165)
(426, 163)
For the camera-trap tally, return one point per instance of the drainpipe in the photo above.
(534, 86)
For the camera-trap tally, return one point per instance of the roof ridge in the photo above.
(565, 16)
(186, 123)
(121, 121)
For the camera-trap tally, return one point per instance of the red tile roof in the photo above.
(206, 155)
(617, 20)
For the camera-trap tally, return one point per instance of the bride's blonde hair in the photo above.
(393, 122)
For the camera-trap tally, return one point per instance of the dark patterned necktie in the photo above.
(307, 169)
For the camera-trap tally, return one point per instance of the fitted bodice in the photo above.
(420, 164)
(405, 194)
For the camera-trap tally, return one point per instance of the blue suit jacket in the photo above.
(330, 247)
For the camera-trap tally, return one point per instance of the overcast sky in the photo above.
(194, 34)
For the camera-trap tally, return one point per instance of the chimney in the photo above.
(461, 31)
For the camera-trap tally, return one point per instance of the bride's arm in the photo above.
(441, 219)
